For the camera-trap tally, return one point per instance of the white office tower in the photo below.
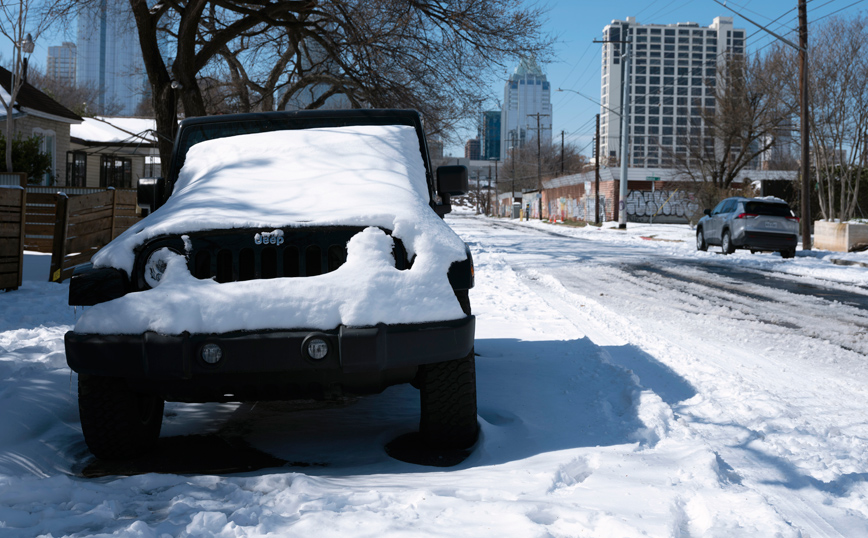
(60, 64)
(673, 74)
(526, 94)
(109, 55)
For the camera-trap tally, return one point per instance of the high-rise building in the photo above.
(490, 135)
(109, 58)
(673, 75)
(60, 64)
(527, 106)
(471, 149)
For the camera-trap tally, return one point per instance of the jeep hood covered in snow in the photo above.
(371, 176)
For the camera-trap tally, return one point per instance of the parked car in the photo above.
(755, 224)
(289, 255)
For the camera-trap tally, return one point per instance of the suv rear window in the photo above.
(768, 209)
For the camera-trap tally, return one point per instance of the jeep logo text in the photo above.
(269, 238)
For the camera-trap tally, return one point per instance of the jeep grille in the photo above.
(234, 255)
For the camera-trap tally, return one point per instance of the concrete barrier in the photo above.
(840, 236)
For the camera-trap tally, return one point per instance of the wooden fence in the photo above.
(84, 224)
(12, 213)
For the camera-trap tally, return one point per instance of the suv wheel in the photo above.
(789, 253)
(117, 423)
(448, 397)
(726, 243)
(700, 240)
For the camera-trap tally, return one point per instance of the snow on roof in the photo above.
(108, 130)
(370, 176)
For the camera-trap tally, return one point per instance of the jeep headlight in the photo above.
(155, 265)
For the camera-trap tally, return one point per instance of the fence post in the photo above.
(58, 250)
(114, 209)
(21, 234)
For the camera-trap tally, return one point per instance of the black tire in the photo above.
(789, 253)
(726, 243)
(700, 240)
(117, 423)
(448, 398)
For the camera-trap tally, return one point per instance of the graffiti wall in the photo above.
(568, 208)
(664, 206)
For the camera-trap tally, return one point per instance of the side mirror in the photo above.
(452, 180)
(149, 192)
(707, 212)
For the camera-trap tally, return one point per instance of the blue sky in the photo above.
(576, 24)
(577, 59)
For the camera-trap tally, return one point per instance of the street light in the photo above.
(589, 99)
(27, 46)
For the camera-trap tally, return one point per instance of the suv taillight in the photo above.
(793, 218)
(747, 215)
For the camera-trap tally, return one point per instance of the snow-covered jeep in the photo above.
(288, 255)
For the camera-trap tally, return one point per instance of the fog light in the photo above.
(211, 353)
(317, 348)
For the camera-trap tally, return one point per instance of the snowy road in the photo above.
(627, 387)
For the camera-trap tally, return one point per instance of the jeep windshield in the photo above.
(195, 132)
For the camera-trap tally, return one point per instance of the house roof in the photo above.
(111, 131)
(30, 100)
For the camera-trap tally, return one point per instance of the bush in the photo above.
(27, 157)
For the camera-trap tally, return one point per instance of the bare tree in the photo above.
(22, 23)
(839, 112)
(551, 162)
(82, 99)
(432, 55)
(748, 117)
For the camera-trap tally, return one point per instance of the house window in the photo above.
(47, 140)
(115, 171)
(76, 169)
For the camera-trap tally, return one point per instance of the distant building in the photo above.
(673, 74)
(471, 149)
(526, 94)
(109, 55)
(60, 64)
(490, 135)
(315, 59)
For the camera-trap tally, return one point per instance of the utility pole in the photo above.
(806, 157)
(496, 190)
(562, 153)
(625, 126)
(512, 153)
(478, 199)
(488, 192)
(539, 158)
(597, 173)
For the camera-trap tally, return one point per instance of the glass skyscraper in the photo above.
(109, 55)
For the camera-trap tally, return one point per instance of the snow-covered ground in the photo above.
(627, 387)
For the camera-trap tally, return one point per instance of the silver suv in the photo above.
(757, 224)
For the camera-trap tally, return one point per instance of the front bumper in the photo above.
(270, 364)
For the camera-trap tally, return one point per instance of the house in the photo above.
(35, 113)
(112, 152)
